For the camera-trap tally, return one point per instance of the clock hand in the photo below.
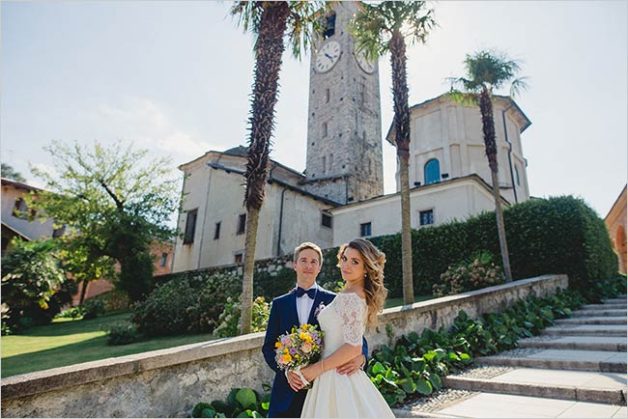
(329, 56)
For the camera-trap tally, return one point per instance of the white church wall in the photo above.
(218, 197)
(195, 180)
(453, 200)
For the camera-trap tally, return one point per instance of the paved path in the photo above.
(575, 369)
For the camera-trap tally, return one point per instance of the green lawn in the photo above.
(67, 342)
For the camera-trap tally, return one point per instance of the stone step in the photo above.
(592, 320)
(605, 306)
(586, 343)
(599, 313)
(597, 387)
(617, 300)
(578, 360)
(492, 405)
(586, 330)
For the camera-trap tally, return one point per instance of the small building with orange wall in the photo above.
(616, 224)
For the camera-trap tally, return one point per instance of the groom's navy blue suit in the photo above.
(284, 402)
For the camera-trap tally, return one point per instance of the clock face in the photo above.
(365, 64)
(327, 56)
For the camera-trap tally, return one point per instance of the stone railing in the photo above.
(170, 382)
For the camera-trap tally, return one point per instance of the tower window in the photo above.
(190, 227)
(426, 217)
(517, 175)
(327, 95)
(431, 171)
(330, 25)
(241, 223)
(331, 161)
(325, 129)
(238, 258)
(324, 163)
(217, 231)
(365, 229)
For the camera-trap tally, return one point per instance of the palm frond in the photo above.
(518, 85)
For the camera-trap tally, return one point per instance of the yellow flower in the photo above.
(277, 345)
(286, 358)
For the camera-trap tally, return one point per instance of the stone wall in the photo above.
(169, 382)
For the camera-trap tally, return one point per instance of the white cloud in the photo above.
(149, 126)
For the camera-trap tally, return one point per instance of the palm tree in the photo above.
(378, 29)
(270, 22)
(488, 70)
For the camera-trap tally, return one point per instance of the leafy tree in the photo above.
(488, 70)
(115, 203)
(271, 22)
(33, 284)
(10, 173)
(378, 29)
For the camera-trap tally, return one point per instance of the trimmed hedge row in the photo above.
(545, 236)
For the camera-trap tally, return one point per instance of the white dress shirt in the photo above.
(304, 305)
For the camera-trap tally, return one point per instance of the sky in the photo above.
(176, 77)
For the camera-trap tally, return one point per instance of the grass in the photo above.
(67, 342)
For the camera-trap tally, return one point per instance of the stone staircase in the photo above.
(576, 368)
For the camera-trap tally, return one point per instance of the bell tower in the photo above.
(344, 136)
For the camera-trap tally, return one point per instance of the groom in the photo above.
(299, 306)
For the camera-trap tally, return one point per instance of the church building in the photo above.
(340, 194)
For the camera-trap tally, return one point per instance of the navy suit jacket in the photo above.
(283, 316)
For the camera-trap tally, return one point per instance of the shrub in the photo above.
(229, 320)
(191, 305)
(477, 272)
(166, 310)
(93, 308)
(241, 402)
(33, 286)
(122, 333)
(70, 313)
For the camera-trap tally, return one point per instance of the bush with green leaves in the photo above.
(123, 333)
(478, 271)
(241, 403)
(34, 288)
(229, 320)
(93, 308)
(185, 306)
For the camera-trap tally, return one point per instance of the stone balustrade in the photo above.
(169, 382)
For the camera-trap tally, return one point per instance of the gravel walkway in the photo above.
(485, 372)
(436, 401)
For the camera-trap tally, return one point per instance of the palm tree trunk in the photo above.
(269, 48)
(501, 227)
(402, 138)
(246, 314)
(488, 128)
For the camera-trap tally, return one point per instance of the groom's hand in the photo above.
(352, 366)
(294, 381)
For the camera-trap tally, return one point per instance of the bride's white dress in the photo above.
(344, 396)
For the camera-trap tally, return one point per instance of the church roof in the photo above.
(526, 121)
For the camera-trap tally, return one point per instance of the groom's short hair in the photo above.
(308, 245)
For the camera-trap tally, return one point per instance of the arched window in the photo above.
(517, 175)
(431, 171)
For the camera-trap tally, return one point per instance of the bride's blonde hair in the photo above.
(374, 261)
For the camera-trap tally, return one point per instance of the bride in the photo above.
(344, 321)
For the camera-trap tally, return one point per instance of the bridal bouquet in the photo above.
(300, 347)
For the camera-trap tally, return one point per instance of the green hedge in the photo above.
(545, 236)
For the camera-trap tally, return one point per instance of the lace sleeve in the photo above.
(352, 310)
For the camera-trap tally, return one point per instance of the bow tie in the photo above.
(310, 293)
